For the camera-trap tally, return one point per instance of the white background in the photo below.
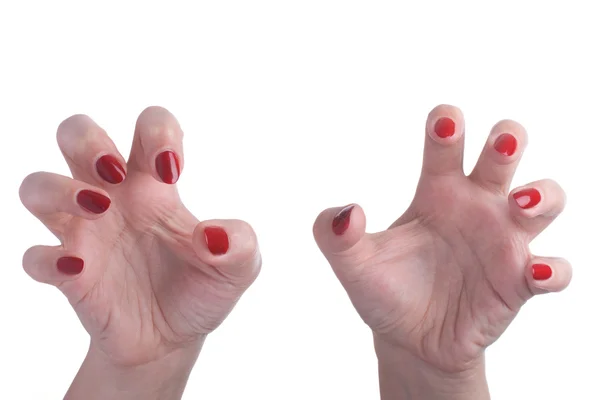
(290, 107)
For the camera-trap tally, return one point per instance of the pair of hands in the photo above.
(149, 281)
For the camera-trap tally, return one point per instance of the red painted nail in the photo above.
(527, 198)
(506, 144)
(110, 169)
(70, 265)
(341, 221)
(167, 167)
(216, 240)
(444, 127)
(93, 202)
(541, 272)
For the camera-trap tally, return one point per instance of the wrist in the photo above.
(403, 376)
(164, 378)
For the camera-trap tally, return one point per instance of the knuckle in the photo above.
(28, 184)
(29, 261)
(551, 182)
(153, 110)
(512, 126)
(557, 192)
(157, 122)
(79, 125)
(71, 122)
(445, 109)
(27, 256)
(507, 122)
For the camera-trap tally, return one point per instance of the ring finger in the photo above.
(54, 199)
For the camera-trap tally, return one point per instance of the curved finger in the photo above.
(500, 156)
(339, 230)
(52, 265)
(444, 142)
(229, 246)
(51, 196)
(91, 154)
(157, 145)
(341, 237)
(536, 205)
(548, 275)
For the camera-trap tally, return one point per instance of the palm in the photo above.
(447, 278)
(149, 287)
(451, 270)
(150, 283)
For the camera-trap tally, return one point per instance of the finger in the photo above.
(230, 247)
(444, 142)
(52, 265)
(500, 156)
(340, 234)
(157, 146)
(548, 275)
(536, 205)
(50, 197)
(91, 154)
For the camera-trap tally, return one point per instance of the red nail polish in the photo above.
(93, 202)
(527, 198)
(506, 144)
(70, 265)
(444, 127)
(541, 272)
(217, 240)
(341, 221)
(167, 167)
(110, 169)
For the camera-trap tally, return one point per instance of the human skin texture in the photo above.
(448, 277)
(146, 278)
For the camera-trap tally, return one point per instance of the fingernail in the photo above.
(506, 144)
(93, 202)
(444, 127)
(541, 272)
(217, 240)
(341, 221)
(167, 167)
(527, 198)
(70, 265)
(110, 169)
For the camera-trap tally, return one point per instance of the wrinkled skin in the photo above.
(149, 285)
(448, 277)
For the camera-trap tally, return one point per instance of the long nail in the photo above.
(167, 167)
(70, 265)
(93, 202)
(444, 127)
(541, 272)
(341, 221)
(110, 169)
(217, 240)
(527, 198)
(506, 144)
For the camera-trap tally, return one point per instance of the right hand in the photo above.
(448, 277)
(143, 274)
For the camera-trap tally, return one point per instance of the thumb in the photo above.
(340, 234)
(230, 247)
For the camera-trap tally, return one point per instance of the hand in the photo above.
(448, 277)
(146, 278)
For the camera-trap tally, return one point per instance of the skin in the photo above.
(150, 290)
(448, 277)
(438, 287)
